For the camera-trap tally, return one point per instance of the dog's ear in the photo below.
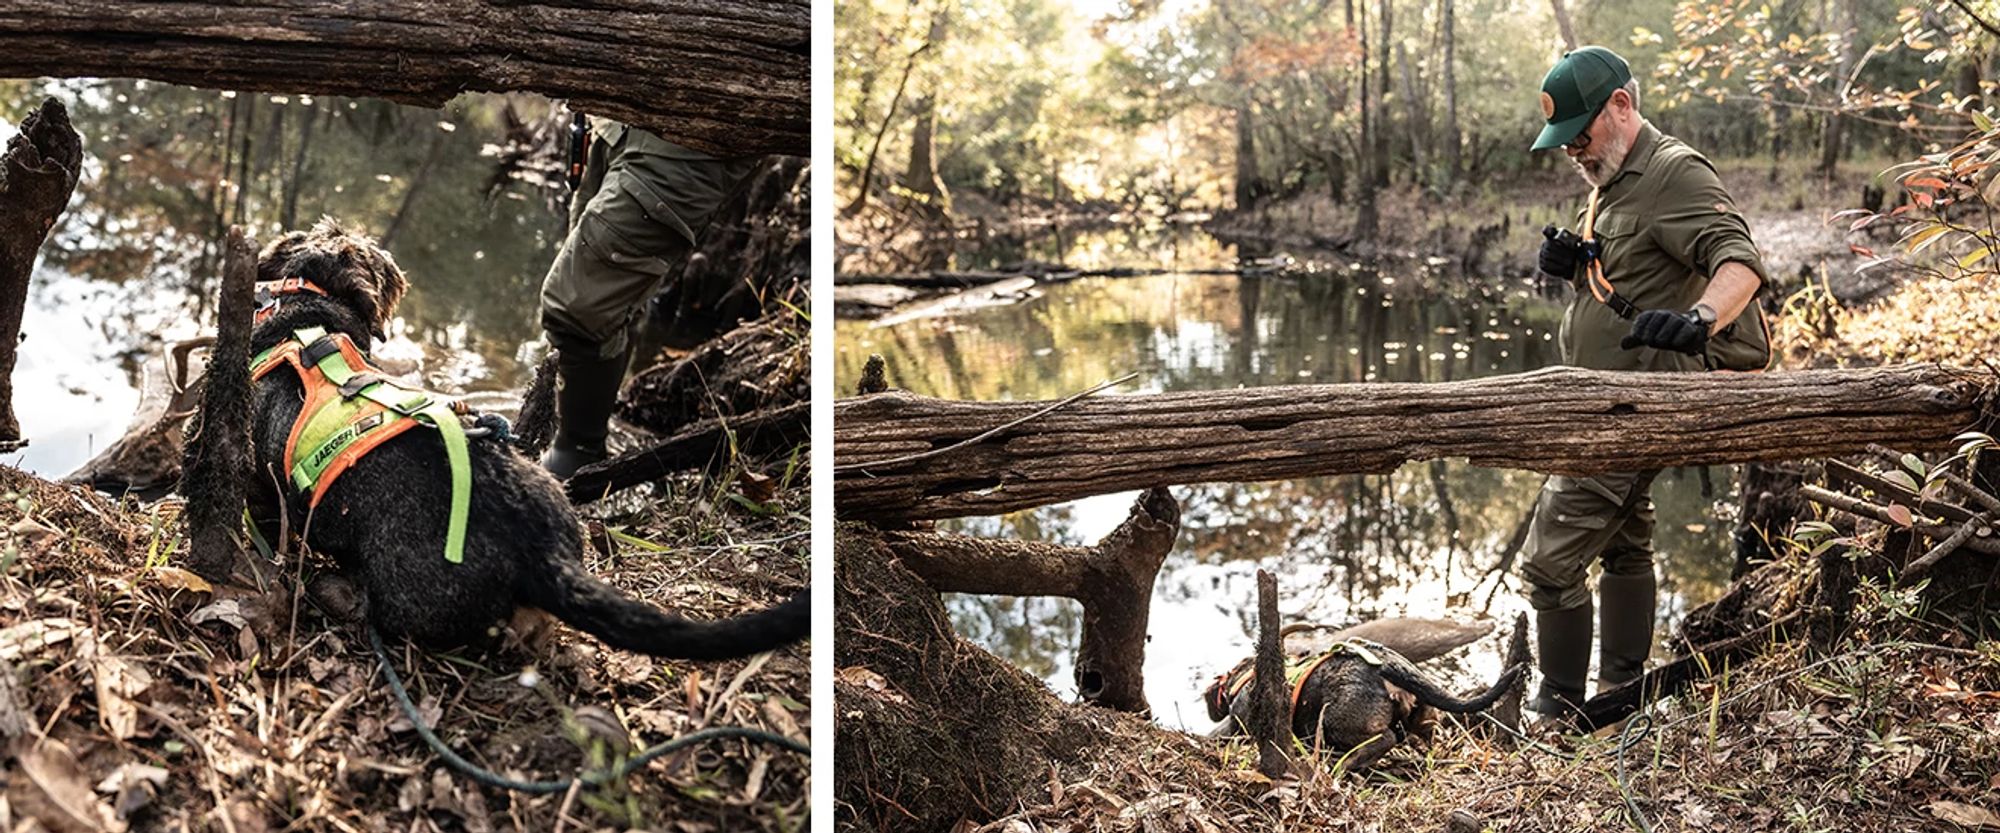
(390, 285)
(351, 268)
(271, 262)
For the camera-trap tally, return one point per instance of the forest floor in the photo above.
(136, 697)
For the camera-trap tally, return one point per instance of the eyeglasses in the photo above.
(1582, 139)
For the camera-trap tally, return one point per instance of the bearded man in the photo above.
(1665, 274)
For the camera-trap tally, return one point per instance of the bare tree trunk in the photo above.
(1381, 166)
(1562, 23)
(922, 176)
(734, 77)
(1247, 186)
(1451, 137)
(38, 173)
(294, 183)
(895, 456)
(1365, 220)
(1833, 137)
(416, 186)
(1413, 108)
(888, 120)
(1113, 580)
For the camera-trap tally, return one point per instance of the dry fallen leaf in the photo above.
(1965, 815)
(861, 676)
(757, 487)
(118, 681)
(429, 709)
(175, 578)
(51, 789)
(30, 531)
(134, 786)
(29, 638)
(226, 611)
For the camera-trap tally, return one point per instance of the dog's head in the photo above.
(349, 266)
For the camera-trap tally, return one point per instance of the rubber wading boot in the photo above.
(584, 400)
(1624, 627)
(1562, 649)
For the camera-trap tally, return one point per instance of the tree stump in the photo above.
(38, 172)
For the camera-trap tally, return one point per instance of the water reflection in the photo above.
(1421, 540)
(132, 263)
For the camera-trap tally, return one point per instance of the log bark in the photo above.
(759, 435)
(729, 78)
(1113, 580)
(1558, 421)
(37, 174)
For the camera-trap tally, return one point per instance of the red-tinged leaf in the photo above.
(1862, 223)
(1900, 514)
(1926, 182)
(1863, 251)
(1901, 210)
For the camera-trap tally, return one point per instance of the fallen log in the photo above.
(37, 173)
(729, 78)
(762, 434)
(1113, 580)
(1558, 421)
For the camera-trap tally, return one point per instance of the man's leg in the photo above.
(653, 201)
(1575, 520)
(1627, 595)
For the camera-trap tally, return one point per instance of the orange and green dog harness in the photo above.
(351, 408)
(1297, 669)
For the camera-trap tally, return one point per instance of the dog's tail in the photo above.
(1408, 678)
(620, 621)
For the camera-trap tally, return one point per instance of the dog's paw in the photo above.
(335, 596)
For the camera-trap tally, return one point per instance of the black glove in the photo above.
(1561, 252)
(1681, 332)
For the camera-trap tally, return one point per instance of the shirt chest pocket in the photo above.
(1618, 236)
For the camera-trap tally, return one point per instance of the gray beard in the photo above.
(1598, 172)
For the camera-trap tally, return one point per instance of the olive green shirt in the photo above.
(1666, 224)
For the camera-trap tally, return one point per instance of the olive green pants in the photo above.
(641, 205)
(1578, 520)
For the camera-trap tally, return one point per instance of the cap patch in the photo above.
(1548, 106)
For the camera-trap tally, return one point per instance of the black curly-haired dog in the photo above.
(384, 520)
(1360, 700)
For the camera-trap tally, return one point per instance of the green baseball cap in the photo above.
(1575, 89)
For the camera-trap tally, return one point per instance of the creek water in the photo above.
(132, 266)
(1421, 541)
